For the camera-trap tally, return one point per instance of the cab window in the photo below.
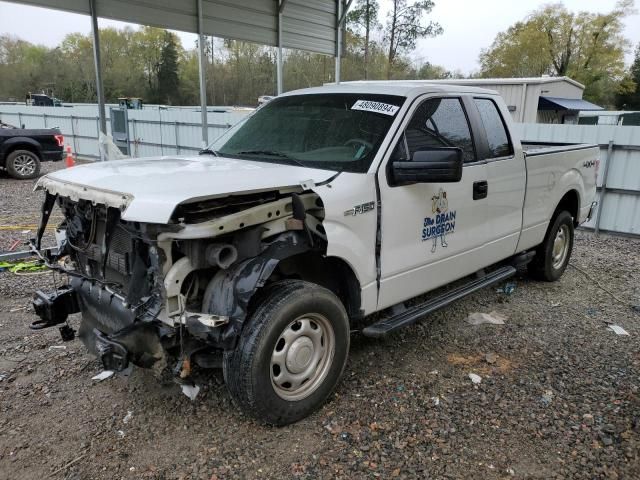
(437, 122)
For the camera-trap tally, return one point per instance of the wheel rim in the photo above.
(560, 247)
(24, 164)
(302, 357)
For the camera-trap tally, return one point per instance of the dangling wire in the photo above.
(184, 308)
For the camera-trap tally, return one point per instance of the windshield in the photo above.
(335, 131)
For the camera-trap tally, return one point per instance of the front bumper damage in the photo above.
(150, 295)
(108, 328)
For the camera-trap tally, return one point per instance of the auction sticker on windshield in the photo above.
(376, 107)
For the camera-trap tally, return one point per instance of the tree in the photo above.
(588, 47)
(364, 17)
(168, 83)
(150, 63)
(147, 50)
(630, 100)
(77, 59)
(405, 26)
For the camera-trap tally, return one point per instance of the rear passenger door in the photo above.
(506, 179)
(431, 233)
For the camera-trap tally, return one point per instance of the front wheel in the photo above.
(552, 256)
(291, 354)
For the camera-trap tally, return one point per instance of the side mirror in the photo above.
(437, 165)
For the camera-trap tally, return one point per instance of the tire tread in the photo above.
(238, 362)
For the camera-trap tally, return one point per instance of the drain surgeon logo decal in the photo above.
(442, 223)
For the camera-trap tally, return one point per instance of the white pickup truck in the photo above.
(322, 207)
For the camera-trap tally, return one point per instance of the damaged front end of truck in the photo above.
(175, 294)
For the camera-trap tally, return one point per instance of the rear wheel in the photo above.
(23, 164)
(291, 354)
(552, 256)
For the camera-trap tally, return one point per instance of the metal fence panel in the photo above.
(619, 180)
(153, 131)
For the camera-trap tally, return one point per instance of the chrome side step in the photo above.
(415, 313)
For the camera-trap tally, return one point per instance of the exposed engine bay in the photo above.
(153, 293)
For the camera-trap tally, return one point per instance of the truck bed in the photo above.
(553, 168)
(545, 148)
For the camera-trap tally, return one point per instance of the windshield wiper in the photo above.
(208, 151)
(264, 152)
(272, 153)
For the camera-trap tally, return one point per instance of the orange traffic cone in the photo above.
(69, 161)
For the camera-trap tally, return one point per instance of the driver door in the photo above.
(432, 233)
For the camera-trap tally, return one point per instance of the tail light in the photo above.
(60, 140)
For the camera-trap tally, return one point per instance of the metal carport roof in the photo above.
(306, 24)
(312, 25)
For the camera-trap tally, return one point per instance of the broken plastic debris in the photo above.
(475, 378)
(478, 318)
(57, 347)
(436, 401)
(120, 433)
(127, 418)
(103, 375)
(190, 391)
(618, 329)
(508, 288)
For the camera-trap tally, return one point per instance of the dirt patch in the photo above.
(487, 363)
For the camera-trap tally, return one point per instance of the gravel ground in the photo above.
(559, 396)
(20, 210)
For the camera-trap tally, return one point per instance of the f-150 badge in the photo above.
(363, 208)
(442, 222)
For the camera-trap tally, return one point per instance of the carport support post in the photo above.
(341, 14)
(203, 80)
(281, 4)
(96, 59)
(338, 40)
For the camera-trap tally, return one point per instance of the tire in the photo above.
(300, 330)
(23, 164)
(552, 256)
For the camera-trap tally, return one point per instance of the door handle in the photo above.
(480, 189)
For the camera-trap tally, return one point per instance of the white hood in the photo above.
(150, 189)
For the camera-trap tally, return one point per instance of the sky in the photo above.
(469, 26)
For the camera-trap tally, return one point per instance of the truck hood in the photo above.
(149, 189)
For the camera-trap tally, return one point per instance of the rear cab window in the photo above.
(498, 140)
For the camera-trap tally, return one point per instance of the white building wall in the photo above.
(561, 89)
(521, 98)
